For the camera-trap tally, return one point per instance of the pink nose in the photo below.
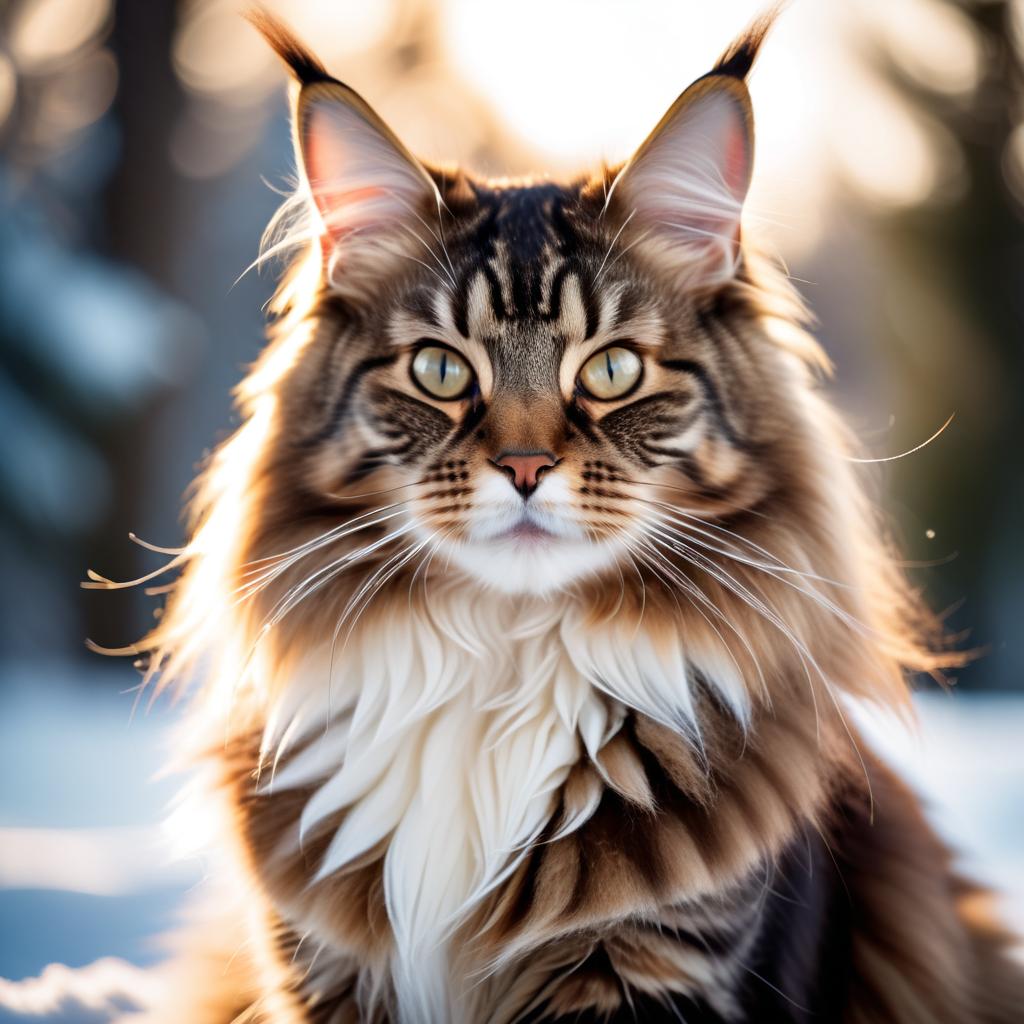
(524, 469)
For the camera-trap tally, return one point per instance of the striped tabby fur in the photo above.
(526, 704)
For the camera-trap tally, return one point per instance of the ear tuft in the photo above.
(304, 65)
(362, 184)
(739, 58)
(683, 189)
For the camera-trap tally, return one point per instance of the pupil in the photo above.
(444, 365)
(608, 363)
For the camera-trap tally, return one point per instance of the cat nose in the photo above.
(524, 469)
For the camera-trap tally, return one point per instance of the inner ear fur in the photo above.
(684, 188)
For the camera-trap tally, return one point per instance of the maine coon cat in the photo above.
(523, 608)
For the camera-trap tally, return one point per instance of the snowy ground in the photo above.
(84, 871)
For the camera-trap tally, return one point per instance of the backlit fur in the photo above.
(472, 757)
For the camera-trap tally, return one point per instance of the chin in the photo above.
(531, 564)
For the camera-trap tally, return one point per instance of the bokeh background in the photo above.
(144, 145)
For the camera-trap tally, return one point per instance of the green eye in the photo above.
(441, 372)
(611, 373)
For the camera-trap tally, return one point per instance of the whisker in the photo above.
(306, 588)
(302, 591)
(438, 541)
(98, 582)
(910, 451)
(706, 524)
(370, 588)
(254, 586)
(136, 539)
(774, 572)
(370, 494)
(728, 581)
(611, 245)
(280, 563)
(804, 654)
(334, 531)
(779, 564)
(694, 594)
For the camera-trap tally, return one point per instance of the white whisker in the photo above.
(611, 245)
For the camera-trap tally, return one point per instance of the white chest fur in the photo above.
(447, 734)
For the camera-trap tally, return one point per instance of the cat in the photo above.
(525, 605)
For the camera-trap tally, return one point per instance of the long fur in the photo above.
(461, 776)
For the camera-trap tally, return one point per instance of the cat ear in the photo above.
(683, 190)
(360, 179)
(359, 175)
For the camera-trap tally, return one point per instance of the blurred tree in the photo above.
(952, 282)
(84, 341)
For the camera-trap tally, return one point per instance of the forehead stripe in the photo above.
(460, 306)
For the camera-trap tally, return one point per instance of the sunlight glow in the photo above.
(80, 96)
(933, 43)
(595, 81)
(559, 88)
(883, 151)
(50, 30)
(217, 54)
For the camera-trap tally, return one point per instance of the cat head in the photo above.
(536, 388)
(531, 369)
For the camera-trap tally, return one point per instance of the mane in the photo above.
(463, 790)
(202, 608)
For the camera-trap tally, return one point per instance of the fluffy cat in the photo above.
(524, 605)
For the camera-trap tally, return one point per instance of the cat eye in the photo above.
(441, 372)
(611, 373)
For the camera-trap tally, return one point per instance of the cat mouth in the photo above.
(530, 551)
(527, 530)
(525, 526)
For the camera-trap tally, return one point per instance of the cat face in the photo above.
(529, 371)
(533, 410)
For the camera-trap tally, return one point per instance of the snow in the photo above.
(84, 868)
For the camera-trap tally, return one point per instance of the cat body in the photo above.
(528, 599)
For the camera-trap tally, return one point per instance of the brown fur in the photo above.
(661, 898)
